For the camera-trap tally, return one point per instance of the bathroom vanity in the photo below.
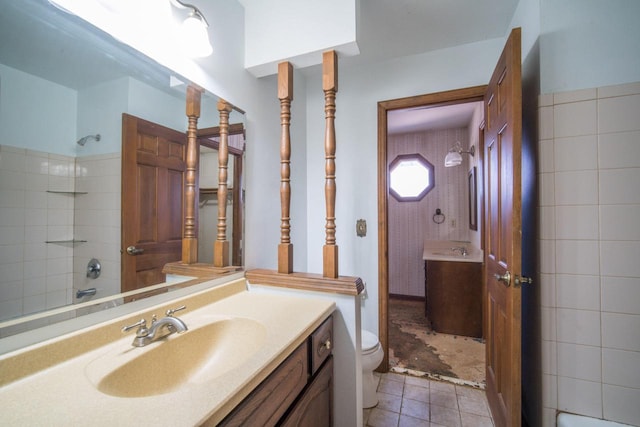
(453, 288)
(246, 355)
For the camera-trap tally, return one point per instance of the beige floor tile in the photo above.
(473, 406)
(416, 393)
(389, 402)
(382, 418)
(417, 381)
(390, 387)
(448, 400)
(445, 416)
(406, 421)
(471, 420)
(415, 409)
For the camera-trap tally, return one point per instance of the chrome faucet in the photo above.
(462, 249)
(158, 329)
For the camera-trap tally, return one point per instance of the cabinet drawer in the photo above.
(321, 344)
(271, 399)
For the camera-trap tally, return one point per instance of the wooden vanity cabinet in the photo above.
(454, 297)
(299, 392)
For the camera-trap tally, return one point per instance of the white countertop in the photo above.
(442, 250)
(63, 394)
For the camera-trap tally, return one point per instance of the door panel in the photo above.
(503, 116)
(153, 167)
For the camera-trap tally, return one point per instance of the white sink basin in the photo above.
(196, 356)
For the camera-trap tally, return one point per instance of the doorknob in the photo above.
(132, 250)
(505, 278)
(521, 280)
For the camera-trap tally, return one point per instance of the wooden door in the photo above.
(503, 117)
(153, 167)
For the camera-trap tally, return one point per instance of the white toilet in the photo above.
(372, 355)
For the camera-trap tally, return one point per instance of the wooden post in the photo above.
(285, 94)
(221, 244)
(330, 88)
(190, 231)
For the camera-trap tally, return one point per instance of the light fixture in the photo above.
(454, 156)
(194, 35)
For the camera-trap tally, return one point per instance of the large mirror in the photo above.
(64, 87)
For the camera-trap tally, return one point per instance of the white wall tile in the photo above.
(578, 326)
(620, 404)
(12, 235)
(577, 257)
(545, 123)
(10, 180)
(10, 309)
(12, 161)
(579, 292)
(574, 119)
(620, 258)
(621, 294)
(548, 323)
(10, 290)
(621, 331)
(579, 396)
(619, 186)
(619, 114)
(577, 222)
(621, 367)
(11, 272)
(547, 290)
(545, 156)
(550, 391)
(547, 256)
(620, 222)
(576, 153)
(576, 188)
(549, 357)
(10, 254)
(579, 361)
(547, 222)
(35, 286)
(545, 100)
(11, 217)
(619, 90)
(574, 96)
(619, 150)
(546, 194)
(11, 199)
(34, 303)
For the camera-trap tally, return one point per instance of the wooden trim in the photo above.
(199, 270)
(407, 297)
(345, 285)
(214, 131)
(437, 99)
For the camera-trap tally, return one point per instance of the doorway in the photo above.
(403, 293)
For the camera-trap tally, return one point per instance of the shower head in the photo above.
(84, 139)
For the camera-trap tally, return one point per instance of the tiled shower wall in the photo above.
(410, 223)
(589, 210)
(35, 275)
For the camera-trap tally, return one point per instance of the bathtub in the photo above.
(571, 420)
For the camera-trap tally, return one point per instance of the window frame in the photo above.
(424, 162)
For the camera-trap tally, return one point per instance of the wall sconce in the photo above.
(194, 31)
(454, 156)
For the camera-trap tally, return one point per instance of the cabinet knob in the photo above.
(327, 344)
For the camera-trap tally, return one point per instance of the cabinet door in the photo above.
(267, 403)
(315, 407)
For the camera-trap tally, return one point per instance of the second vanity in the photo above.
(453, 287)
(236, 340)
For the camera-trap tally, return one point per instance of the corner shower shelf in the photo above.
(66, 241)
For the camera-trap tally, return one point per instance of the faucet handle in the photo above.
(142, 323)
(170, 312)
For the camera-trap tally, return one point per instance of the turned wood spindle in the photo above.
(330, 88)
(221, 244)
(285, 94)
(190, 231)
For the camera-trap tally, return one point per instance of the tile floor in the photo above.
(406, 401)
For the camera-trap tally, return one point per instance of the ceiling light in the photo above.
(454, 156)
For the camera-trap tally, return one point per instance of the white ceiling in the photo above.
(423, 118)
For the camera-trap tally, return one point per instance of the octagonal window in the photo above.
(411, 177)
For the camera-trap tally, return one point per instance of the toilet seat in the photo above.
(370, 342)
